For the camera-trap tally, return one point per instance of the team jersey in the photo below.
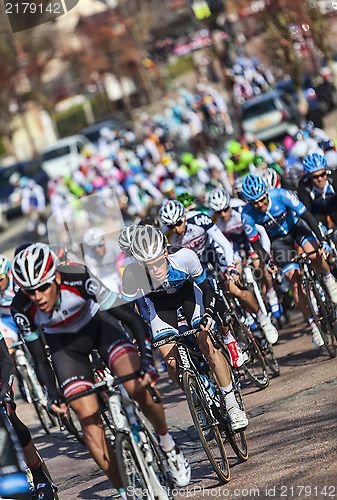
(309, 194)
(278, 219)
(82, 295)
(183, 264)
(201, 233)
(6, 298)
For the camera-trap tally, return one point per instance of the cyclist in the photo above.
(197, 231)
(13, 481)
(280, 212)
(79, 314)
(239, 162)
(317, 189)
(227, 216)
(101, 256)
(171, 278)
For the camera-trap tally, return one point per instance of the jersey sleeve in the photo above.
(215, 233)
(22, 310)
(249, 226)
(87, 285)
(134, 279)
(291, 200)
(193, 265)
(202, 220)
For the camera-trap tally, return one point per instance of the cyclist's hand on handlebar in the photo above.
(56, 404)
(8, 403)
(148, 369)
(207, 323)
(233, 273)
(271, 267)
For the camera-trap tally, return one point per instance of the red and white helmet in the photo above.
(272, 178)
(34, 266)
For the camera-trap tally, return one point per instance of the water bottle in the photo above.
(209, 386)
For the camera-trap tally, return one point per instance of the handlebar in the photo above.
(175, 337)
(303, 256)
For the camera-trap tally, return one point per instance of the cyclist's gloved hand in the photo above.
(326, 247)
(55, 397)
(147, 366)
(207, 322)
(271, 266)
(233, 273)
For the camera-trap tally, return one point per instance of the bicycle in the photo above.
(33, 390)
(141, 463)
(322, 308)
(22, 479)
(254, 365)
(212, 403)
(330, 236)
(265, 346)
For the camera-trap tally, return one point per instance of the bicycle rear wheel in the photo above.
(132, 477)
(254, 366)
(44, 416)
(268, 355)
(208, 431)
(318, 302)
(237, 440)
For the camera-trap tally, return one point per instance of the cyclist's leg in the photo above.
(70, 355)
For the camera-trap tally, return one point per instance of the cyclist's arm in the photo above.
(304, 195)
(6, 369)
(291, 200)
(253, 235)
(215, 233)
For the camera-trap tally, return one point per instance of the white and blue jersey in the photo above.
(7, 325)
(280, 217)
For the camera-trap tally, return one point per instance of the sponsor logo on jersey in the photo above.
(22, 321)
(202, 220)
(92, 286)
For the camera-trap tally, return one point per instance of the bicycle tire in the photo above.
(320, 314)
(237, 440)
(255, 366)
(270, 359)
(130, 471)
(219, 463)
(44, 416)
(159, 463)
(72, 425)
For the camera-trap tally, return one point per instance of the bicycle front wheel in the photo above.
(44, 416)
(207, 427)
(254, 365)
(134, 481)
(318, 301)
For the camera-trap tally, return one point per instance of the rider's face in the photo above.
(4, 280)
(319, 178)
(46, 299)
(181, 228)
(158, 269)
(262, 204)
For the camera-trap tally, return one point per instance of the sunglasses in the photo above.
(256, 202)
(155, 263)
(3, 276)
(223, 210)
(318, 176)
(41, 288)
(178, 223)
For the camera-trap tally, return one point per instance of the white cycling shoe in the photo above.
(331, 285)
(316, 336)
(238, 418)
(180, 469)
(269, 330)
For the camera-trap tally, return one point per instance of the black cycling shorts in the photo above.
(70, 351)
(284, 247)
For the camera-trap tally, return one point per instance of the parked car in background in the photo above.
(64, 156)
(269, 116)
(10, 200)
(92, 133)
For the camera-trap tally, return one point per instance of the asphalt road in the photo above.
(291, 435)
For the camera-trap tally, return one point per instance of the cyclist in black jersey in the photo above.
(78, 314)
(317, 189)
(170, 278)
(13, 481)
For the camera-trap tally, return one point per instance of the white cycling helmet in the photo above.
(148, 243)
(237, 185)
(218, 199)
(125, 237)
(171, 211)
(272, 178)
(5, 265)
(93, 237)
(34, 266)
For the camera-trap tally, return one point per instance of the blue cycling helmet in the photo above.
(253, 187)
(313, 162)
